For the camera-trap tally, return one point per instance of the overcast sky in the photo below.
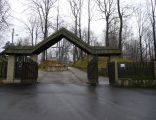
(19, 14)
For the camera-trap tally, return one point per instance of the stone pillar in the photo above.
(34, 57)
(10, 69)
(92, 71)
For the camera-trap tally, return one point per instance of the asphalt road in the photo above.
(76, 102)
(72, 76)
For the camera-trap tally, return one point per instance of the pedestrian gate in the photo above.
(26, 69)
(111, 72)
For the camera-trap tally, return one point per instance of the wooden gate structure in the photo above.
(3, 70)
(33, 51)
(26, 70)
(132, 74)
(111, 72)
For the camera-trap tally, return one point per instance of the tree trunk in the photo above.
(32, 36)
(88, 22)
(36, 36)
(44, 54)
(80, 51)
(107, 32)
(75, 49)
(140, 44)
(154, 38)
(153, 27)
(121, 25)
(150, 50)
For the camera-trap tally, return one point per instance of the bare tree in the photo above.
(58, 15)
(151, 9)
(150, 44)
(4, 14)
(153, 5)
(147, 41)
(91, 7)
(121, 24)
(57, 24)
(76, 12)
(132, 50)
(89, 20)
(93, 38)
(43, 7)
(33, 28)
(23, 41)
(79, 17)
(65, 48)
(113, 33)
(107, 8)
(141, 22)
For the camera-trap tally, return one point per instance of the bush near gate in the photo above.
(102, 64)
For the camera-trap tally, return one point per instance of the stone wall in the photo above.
(136, 83)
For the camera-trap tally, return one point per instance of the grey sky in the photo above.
(18, 13)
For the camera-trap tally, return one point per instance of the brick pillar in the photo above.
(34, 57)
(10, 69)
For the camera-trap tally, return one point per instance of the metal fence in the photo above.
(3, 69)
(29, 71)
(26, 69)
(136, 70)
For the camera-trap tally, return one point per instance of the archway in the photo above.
(33, 51)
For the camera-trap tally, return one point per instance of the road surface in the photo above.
(72, 76)
(75, 102)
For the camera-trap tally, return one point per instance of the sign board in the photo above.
(122, 65)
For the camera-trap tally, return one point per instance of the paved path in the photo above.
(72, 76)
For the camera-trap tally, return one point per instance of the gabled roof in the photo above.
(18, 50)
(56, 37)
